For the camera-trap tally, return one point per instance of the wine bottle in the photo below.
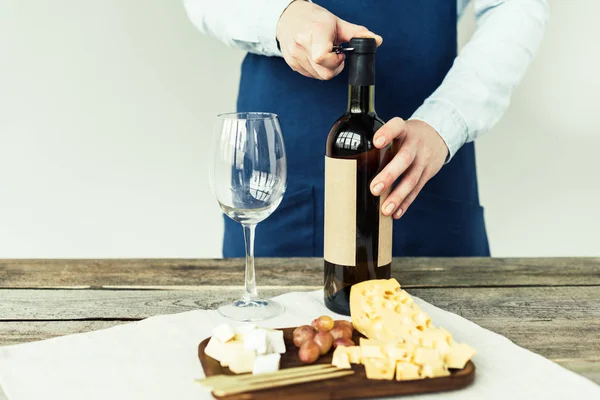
(358, 237)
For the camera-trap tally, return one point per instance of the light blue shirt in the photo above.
(476, 91)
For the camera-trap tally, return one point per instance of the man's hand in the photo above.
(307, 34)
(421, 155)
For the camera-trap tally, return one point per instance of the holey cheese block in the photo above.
(382, 311)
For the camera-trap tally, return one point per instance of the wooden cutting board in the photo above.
(355, 386)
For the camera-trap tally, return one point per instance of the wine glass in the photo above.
(248, 174)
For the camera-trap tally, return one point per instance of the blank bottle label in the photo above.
(384, 253)
(340, 211)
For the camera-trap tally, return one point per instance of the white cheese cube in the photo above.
(243, 362)
(230, 350)
(215, 349)
(266, 363)
(275, 342)
(256, 340)
(238, 337)
(224, 333)
(243, 329)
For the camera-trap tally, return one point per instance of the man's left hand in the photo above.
(421, 154)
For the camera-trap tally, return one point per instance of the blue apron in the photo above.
(418, 50)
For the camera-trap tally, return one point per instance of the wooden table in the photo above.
(550, 306)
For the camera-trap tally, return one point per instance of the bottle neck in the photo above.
(361, 99)
(361, 81)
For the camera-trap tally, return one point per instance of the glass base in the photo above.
(251, 310)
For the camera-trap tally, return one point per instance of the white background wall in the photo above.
(106, 107)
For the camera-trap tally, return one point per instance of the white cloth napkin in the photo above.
(157, 359)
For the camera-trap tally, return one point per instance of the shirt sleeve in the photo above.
(476, 91)
(246, 24)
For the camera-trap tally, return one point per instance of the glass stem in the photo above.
(250, 284)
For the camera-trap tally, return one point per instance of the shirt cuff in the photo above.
(447, 121)
(267, 25)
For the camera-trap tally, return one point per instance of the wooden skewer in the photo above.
(245, 387)
(288, 372)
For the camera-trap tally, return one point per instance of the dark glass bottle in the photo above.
(358, 237)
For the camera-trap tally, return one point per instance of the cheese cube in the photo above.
(266, 363)
(215, 349)
(231, 350)
(371, 348)
(424, 355)
(435, 337)
(401, 352)
(256, 340)
(239, 337)
(406, 371)
(458, 355)
(353, 353)
(434, 370)
(224, 333)
(376, 368)
(443, 348)
(243, 329)
(275, 342)
(445, 334)
(340, 358)
(243, 362)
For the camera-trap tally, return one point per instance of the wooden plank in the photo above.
(536, 303)
(31, 304)
(560, 338)
(581, 360)
(555, 321)
(411, 272)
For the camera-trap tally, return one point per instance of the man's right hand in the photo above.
(307, 33)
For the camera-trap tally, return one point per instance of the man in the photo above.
(435, 103)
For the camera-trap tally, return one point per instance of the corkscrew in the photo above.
(340, 49)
